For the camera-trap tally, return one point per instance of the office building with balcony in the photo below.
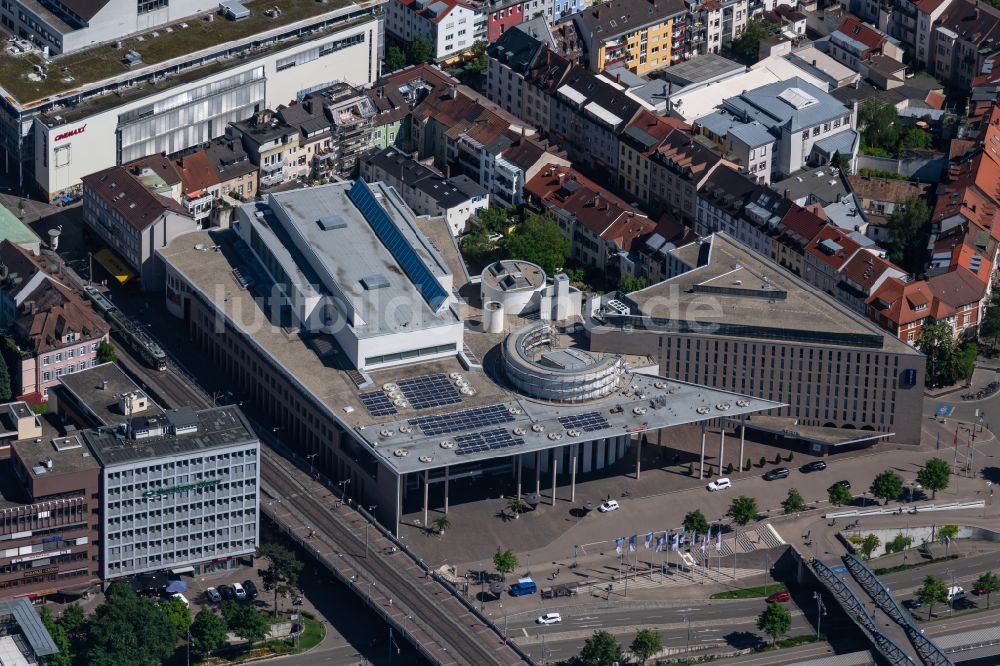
(179, 490)
(49, 517)
(272, 145)
(734, 320)
(636, 34)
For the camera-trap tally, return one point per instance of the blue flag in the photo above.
(618, 545)
(631, 543)
(649, 540)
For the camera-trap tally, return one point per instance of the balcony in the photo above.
(272, 179)
(272, 167)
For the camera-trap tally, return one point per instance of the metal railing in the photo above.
(856, 611)
(927, 650)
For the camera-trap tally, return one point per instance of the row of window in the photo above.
(48, 375)
(69, 353)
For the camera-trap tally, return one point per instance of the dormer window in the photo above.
(921, 306)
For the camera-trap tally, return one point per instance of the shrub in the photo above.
(763, 461)
(748, 465)
(777, 458)
(691, 469)
(729, 468)
(791, 454)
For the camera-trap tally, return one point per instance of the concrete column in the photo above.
(701, 470)
(426, 489)
(555, 465)
(722, 447)
(572, 478)
(400, 484)
(446, 479)
(588, 455)
(538, 473)
(743, 432)
(602, 451)
(638, 458)
(519, 477)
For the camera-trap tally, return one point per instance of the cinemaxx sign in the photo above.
(182, 488)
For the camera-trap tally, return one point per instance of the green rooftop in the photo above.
(14, 230)
(68, 72)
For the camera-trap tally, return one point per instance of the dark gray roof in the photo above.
(31, 626)
(446, 193)
(85, 392)
(792, 104)
(618, 17)
(220, 427)
(516, 49)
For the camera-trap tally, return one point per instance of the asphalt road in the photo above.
(963, 570)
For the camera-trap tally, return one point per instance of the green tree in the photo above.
(934, 476)
(748, 465)
(987, 584)
(899, 543)
(933, 591)
(6, 389)
(937, 342)
(479, 249)
(794, 503)
(178, 615)
(630, 283)
(839, 495)
(747, 46)
(420, 51)
(915, 139)
(601, 649)
(539, 240)
(990, 328)
(441, 523)
(517, 506)
(695, 522)
(504, 561)
(208, 631)
(887, 485)
(74, 621)
(645, 644)
(282, 571)
(868, 545)
(248, 623)
(106, 353)
(842, 162)
(909, 230)
(129, 631)
(947, 534)
(742, 510)
(480, 60)
(775, 621)
(762, 462)
(394, 59)
(59, 636)
(877, 121)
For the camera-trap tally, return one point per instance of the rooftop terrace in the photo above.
(72, 73)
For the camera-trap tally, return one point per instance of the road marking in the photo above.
(525, 632)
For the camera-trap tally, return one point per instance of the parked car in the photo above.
(955, 593)
(610, 505)
(213, 595)
(779, 597)
(227, 593)
(912, 604)
(494, 237)
(178, 595)
(719, 484)
(814, 466)
(843, 483)
(550, 618)
(777, 473)
(251, 589)
(522, 587)
(241, 594)
(979, 591)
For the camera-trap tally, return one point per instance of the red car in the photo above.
(779, 597)
(978, 591)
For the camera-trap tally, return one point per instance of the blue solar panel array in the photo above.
(378, 403)
(467, 419)
(479, 442)
(392, 238)
(589, 422)
(429, 391)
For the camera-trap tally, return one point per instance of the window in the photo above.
(59, 357)
(46, 360)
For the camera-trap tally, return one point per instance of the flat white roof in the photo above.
(572, 93)
(603, 114)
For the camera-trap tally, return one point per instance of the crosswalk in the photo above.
(676, 576)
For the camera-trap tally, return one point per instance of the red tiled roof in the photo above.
(122, 191)
(903, 303)
(196, 172)
(57, 312)
(425, 14)
(858, 31)
(865, 269)
(958, 288)
(836, 260)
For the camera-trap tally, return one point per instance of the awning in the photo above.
(76, 590)
(112, 264)
(182, 570)
(177, 586)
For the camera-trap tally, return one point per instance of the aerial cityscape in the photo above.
(499, 332)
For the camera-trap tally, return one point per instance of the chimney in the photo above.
(452, 92)
(787, 192)
(104, 384)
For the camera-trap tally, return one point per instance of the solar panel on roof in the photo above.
(466, 419)
(589, 422)
(488, 440)
(429, 391)
(378, 403)
(389, 234)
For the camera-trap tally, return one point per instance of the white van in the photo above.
(178, 595)
(955, 593)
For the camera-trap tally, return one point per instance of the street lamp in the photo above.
(310, 459)
(820, 611)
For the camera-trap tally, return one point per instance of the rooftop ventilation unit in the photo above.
(331, 222)
(372, 282)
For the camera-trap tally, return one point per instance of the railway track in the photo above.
(466, 639)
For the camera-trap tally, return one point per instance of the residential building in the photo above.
(862, 276)
(655, 262)
(508, 171)
(200, 185)
(844, 382)
(57, 333)
(131, 218)
(637, 34)
(959, 53)
(601, 227)
(903, 307)
(966, 294)
(50, 518)
(853, 43)
(912, 22)
(797, 229)
(85, 119)
(732, 203)
(231, 163)
(335, 142)
(447, 25)
(826, 255)
(273, 145)
(511, 59)
(426, 191)
(881, 197)
(588, 115)
(396, 95)
(639, 141)
(21, 272)
(678, 170)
